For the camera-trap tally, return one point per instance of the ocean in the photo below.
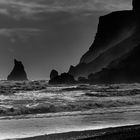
(33, 108)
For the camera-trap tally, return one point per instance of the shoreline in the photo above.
(115, 133)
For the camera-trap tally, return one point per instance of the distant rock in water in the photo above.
(18, 73)
(53, 74)
(117, 36)
(64, 78)
(82, 80)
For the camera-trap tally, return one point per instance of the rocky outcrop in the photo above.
(18, 73)
(53, 74)
(64, 78)
(118, 34)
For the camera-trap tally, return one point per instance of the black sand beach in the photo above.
(118, 133)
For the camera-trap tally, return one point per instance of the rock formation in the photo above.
(136, 5)
(64, 78)
(53, 74)
(18, 73)
(126, 69)
(117, 36)
(83, 80)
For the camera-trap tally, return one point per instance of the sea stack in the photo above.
(64, 78)
(18, 73)
(53, 74)
(117, 39)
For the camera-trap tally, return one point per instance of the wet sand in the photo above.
(118, 133)
(32, 127)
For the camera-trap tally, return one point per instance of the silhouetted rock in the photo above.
(53, 74)
(64, 78)
(118, 34)
(126, 69)
(82, 80)
(136, 5)
(18, 73)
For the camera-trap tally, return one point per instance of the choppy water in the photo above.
(35, 108)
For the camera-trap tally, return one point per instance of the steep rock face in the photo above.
(136, 5)
(18, 73)
(126, 69)
(118, 33)
(112, 30)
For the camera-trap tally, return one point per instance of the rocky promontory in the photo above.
(126, 69)
(114, 48)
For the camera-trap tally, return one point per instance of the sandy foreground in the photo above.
(118, 133)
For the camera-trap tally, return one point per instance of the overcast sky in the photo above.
(49, 34)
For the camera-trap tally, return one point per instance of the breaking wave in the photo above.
(37, 97)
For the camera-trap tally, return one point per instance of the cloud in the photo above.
(4, 11)
(19, 33)
(26, 8)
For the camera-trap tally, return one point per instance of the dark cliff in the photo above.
(126, 69)
(117, 36)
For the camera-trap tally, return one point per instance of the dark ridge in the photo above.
(117, 36)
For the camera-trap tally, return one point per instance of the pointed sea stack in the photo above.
(18, 73)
